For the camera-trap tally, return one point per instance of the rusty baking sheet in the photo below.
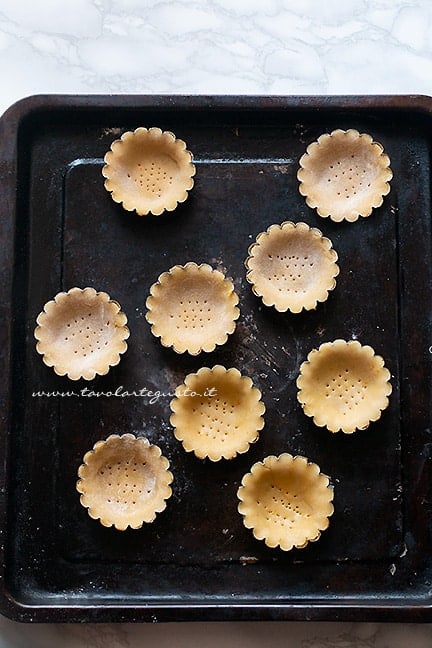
(60, 228)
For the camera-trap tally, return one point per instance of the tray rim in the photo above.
(10, 122)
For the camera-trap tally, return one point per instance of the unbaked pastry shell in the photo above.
(344, 175)
(148, 171)
(124, 481)
(344, 386)
(292, 267)
(286, 501)
(192, 308)
(222, 424)
(81, 333)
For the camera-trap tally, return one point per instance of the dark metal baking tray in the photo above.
(60, 228)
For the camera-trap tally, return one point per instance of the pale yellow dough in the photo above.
(192, 308)
(81, 333)
(222, 419)
(148, 170)
(343, 386)
(286, 501)
(344, 175)
(124, 481)
(292, 267)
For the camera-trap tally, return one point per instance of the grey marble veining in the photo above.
(214, 47)
(214, 635)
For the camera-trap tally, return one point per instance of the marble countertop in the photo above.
(215, 47)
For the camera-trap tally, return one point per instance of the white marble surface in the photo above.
(215, 46)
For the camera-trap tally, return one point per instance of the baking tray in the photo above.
(60, 228)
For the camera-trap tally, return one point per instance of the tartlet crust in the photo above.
(192, 308)
(222, 424)
(286, 501)
(292, 267)
(81, 333)
(124, 481)
(343, 386)
(148, 171)
(344, 175)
